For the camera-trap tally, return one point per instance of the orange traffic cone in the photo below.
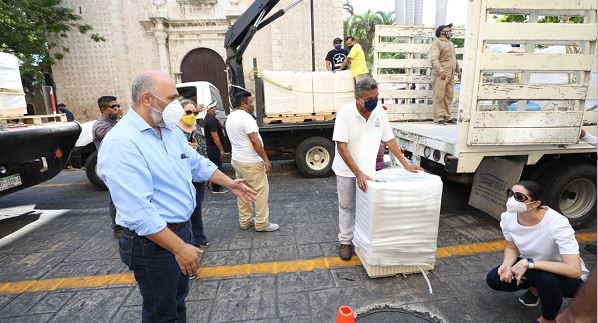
(345, 315)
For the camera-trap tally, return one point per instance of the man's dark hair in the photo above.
(103, 101)
(349, 37)
(241, 97)
(61, 105)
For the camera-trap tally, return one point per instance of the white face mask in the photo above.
(170, 116)
(515, 206)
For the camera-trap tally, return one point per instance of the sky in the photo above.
(456, 13)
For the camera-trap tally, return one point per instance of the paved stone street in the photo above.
(60, 230)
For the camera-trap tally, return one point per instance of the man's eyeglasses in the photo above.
(188, 112)
(115, 106)
(519, 197)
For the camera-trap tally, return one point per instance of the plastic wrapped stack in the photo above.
(396, 223)
(12, 97)
(279, 100)
(312, 92)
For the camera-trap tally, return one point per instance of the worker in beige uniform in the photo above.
(444, 64)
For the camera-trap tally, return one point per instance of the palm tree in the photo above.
(363, 27)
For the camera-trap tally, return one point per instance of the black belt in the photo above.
(175, 226)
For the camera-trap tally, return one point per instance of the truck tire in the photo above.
(571, 191)
(90, 170)
(314, 157)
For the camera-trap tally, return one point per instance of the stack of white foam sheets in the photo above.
(12, 97)
(279, 99)
(396, 223)
(303, 96)
(344, 89)
(323, 92)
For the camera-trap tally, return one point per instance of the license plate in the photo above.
(10, 182)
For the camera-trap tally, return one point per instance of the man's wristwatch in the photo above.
(530, 263)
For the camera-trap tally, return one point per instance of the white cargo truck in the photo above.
(536, 137)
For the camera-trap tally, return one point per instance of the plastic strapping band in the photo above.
(427, 280)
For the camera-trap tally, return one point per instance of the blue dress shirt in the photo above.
(150, 178)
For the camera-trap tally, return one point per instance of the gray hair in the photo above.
(187, 101)
(366, 84)
(141, 83)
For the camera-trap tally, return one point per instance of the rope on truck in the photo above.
(289, 88)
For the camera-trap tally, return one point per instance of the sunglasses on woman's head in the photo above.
(188, 112)
(519, 197)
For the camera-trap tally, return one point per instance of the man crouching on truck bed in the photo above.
(358, 129)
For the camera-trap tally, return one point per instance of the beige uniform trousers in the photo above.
(255, 175)
(443, 93)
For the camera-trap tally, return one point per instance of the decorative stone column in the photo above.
(161, 38)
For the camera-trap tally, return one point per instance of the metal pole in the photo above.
(313, 40)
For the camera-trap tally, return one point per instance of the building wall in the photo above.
(133, 30)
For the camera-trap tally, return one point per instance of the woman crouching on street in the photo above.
(541, 255)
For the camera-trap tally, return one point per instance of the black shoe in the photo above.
(345, 251)
(529, 299)
(451, 121)
(441, 122)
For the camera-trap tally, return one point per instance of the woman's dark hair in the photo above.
(535, 190)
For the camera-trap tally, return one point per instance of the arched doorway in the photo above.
(204, 64)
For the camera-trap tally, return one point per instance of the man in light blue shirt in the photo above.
(149, 170)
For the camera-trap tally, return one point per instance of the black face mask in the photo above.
(112, 116)
(349, 47)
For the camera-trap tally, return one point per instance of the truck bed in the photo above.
(441, 137)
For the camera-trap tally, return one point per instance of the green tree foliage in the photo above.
(363, 27)
(26, 26)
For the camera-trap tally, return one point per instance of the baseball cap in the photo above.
(441, 27)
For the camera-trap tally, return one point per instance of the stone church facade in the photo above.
(184, 38)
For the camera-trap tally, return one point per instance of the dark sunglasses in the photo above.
(188, 112)
(519, 197)
(115, 106)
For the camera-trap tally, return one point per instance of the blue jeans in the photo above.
(196, 220)
(216, 158)
(162, 285)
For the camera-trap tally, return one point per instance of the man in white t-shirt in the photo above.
(250, 162)
(358, 129)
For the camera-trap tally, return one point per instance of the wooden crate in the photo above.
(34, 119)
(375, 271)
(299, 118)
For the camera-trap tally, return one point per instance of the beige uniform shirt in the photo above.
(443, 57)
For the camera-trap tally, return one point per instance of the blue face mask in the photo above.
(370, 105)
(337, 47)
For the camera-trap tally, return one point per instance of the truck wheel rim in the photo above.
(577, 198)
(317, 158)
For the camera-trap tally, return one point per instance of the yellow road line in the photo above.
(244, 269)
(60, 184)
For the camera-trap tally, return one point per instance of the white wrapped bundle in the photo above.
(344, 89)
(303, 97)
(12, 98)
(396, 221)
(278, 100)
(323, 92)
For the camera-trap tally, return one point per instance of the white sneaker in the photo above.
(269, 228)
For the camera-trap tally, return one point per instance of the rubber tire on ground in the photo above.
(90, 170)
(301, 153)
(554, 180)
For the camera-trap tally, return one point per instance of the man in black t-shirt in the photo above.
(335, 57)
(214, 138)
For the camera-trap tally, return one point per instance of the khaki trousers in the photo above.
(255, 175)
(443, 93)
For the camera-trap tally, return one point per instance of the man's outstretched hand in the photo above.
(240, 188)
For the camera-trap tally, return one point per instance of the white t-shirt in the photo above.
(239, 125)
(545, 241)
(363, 138)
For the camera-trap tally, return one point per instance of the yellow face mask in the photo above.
(188, 119)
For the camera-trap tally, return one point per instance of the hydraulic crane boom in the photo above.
(239, 36)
